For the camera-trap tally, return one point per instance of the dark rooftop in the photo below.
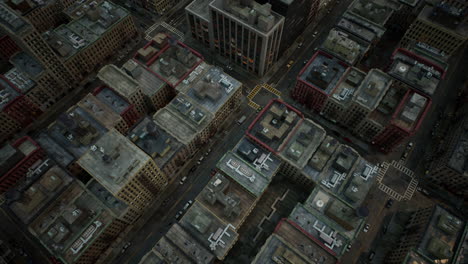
(113, 100)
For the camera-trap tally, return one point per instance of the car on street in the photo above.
(182, 181)
(371, 256)
(213, 172)
(179, 214)
(305, 62)
(241, 120)
(187, 205)
(200, 160)
(423, 191)
(389, 203)
(208, 151)
(192, 169)
(409, 146)
(290, 63)
(127, 245)
(404, 156)
(366, 228)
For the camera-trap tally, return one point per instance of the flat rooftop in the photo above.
(374, 11)
(190, 246)
(265, 20)
(322, 231)
(350, 82)
(173, 63)
(10, 19)
(358, 183)
(274, 125)
(416, 71)
(390, 104)
(227, 200)
(113, 160)
(36, 196)
(296, 238)
(27, 64)
(154, 141)
(414, 257)
(340, 166)
(100, 111)
(360, 28)
(345, 46)
(372, 89)
(150, 84)
(20, 80)
(153, 257)
(412, 111)
(322, 72)
(183, 118)
(170, 252)
(462, 251)
(458, 159)
(118, 80)
(112, 99)
(209, 86)
(276, 250)
(115, 205)
(200, 8)
(446, 16)
(8, 93)
(319, 162)
(76, 131)
(303, 143)
(70, 223)
(55, 150)
(216, 236)
(93, 22)
(434, 56)
(441, 235)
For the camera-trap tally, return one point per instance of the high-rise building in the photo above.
(346, 47)
(125, 171)
(246, 33)
(443, 27)
(159, 6)
(430, 234)
(7, 48)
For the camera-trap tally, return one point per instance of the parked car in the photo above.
(200, 160)
(389, 203)
(290, 63)
(187, 205)
(192, 169)
(409, 146)
(241, 120)
(127, 245)
(423, 191)
(179, 215)
(182, 181)
(208, 151)
(371, 256)
(366, 228)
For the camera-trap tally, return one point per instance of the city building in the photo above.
(448, 170)
(7, 48)
(168, 154)
(344, 46)
(118, 104)
(159, 6)
(430, 234)
(125, 171)
(290, 243)
(442, 26)
(17, 160)
(17, 111)
(317, 80)
(255, 43)
(416, 71)
(103, 113)
(96, 32)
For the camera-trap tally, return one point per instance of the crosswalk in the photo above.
(390, 192)
(149, 32)
(271, 89)
(257, 89)
(410, 189)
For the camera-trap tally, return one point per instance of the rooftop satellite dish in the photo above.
(319, 203)
(403, 68)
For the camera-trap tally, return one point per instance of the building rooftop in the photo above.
(113, 160)
(112, 99)
(9, 19)
(228, 201)
(34, 197)
(354, 189)
(344, 46)
(172, 64)
(9, 157)
(458, 159)
(118, 80)
(209, 86)
(100, 111)
(276, 250)
(339, 167)
(260, 159)
(372, 89)
(200, 8)
(216, 236)
(153, 257)
(70, 223)
(54, 150)
(447, 16)
(8, 93)
(320, 159)
(323, 231)
(462, 252)
(170, 252)
(416, 71)
(275, 125)
(117, 207)
(93, 22)
(434, 56)
(373, 11)
(411, 111)
(183, 118)
(154, 141)
(439, 240)
(255, 16)
(150, 83)
(390, 104)
(323, 72)
(414, 257)
(27, 64)
(303, 143)
(360, 28)
(347, 86)
(76, 131)
(20, 80)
